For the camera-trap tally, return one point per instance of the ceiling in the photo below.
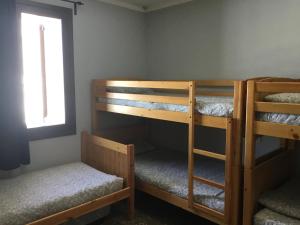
(145, 5)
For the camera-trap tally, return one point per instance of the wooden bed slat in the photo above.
(276, 87)
(83, 209)
(277, 130)
(177, 85)
(210, 154)
(209, 182)
(147, 98)
(215, 93)
(198, 206)
(274, 107)
(114, 146)
(204, 212)
(215, 83)
(134, 111)
(211, 121)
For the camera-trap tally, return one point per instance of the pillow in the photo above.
(143, 147)
(283, 97)
(284, 200)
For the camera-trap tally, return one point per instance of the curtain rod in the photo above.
(75, 4)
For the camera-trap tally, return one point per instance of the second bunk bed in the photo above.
(273, 110)
(209, 188)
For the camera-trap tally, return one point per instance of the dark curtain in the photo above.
(14, 146)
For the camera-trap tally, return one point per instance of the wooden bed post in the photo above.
(131, 178)
(249, 156)
(191, 138)
(228, 171)
(94, 113)
(84, 143)
(237, 123)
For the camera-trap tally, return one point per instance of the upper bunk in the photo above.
(210, 102)
(273, 108)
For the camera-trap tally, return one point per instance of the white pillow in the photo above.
(283, 97)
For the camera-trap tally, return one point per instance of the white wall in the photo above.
(108, 42)
(224, 39)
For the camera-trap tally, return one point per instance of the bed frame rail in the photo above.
(267, 172)
(100, 89)
(106, 156)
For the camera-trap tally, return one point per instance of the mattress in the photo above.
(168, 170)
(39, 194)
(284, 200)
(269, 217)
(282, 205)
(290, 119)
(210, 106)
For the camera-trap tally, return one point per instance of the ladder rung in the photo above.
(210, 154)
(209, 182)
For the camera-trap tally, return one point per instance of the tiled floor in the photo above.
(151, 211)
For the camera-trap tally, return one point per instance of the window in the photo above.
(48, 69)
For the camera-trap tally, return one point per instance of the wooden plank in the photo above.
(83, 209)
(209, 182)
(229, 151)
(277, 130)
(177, 201)
(147, 98)
(250, 117)
(276, 87)
(215, 93)
(218, 214)
(249, 160)
(111, 145)
(210, 154)
(178, 85)
(274, 107)
(179, 117)
(238, 123)
(131, 180)
(214, 83)
(84, 145)
(191, 142)
(211, 121)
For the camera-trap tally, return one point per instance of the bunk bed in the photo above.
(273, 109)
(209, 103)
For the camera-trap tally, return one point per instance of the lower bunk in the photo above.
(280, 206)
(168, 170)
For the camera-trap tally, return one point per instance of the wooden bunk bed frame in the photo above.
(99, 153)
(232, 126)
(269, 171)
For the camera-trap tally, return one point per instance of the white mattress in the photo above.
(38, 194)
(168, 170)
(291, 119)
(211, 106)
(269, 217)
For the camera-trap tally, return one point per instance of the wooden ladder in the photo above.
(227, 158)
